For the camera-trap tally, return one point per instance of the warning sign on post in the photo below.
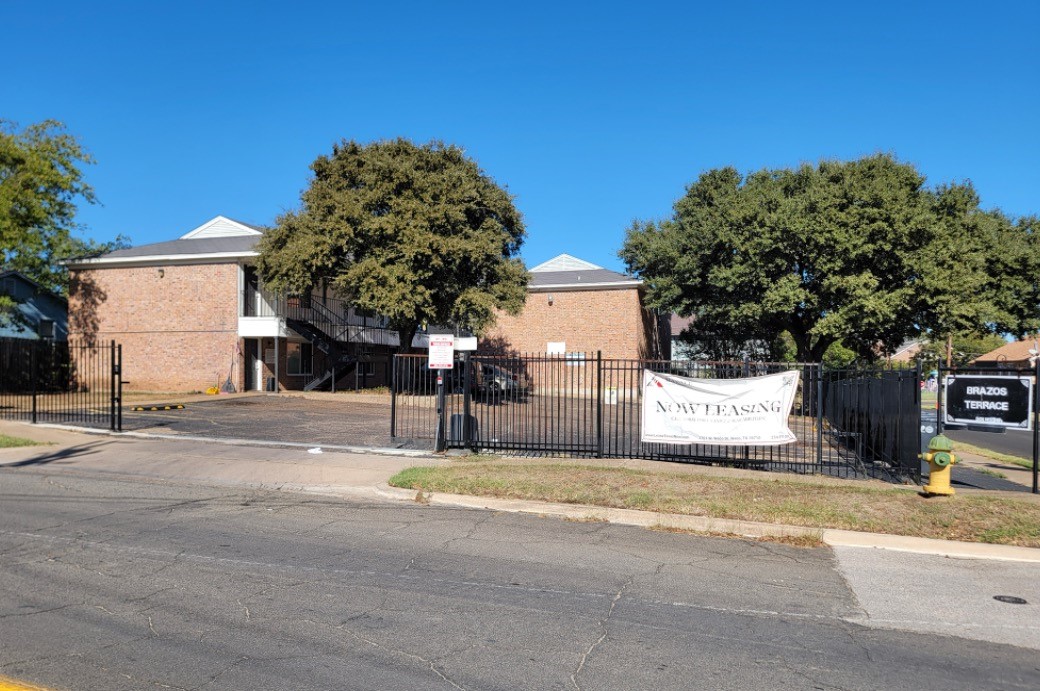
(990, 401)
(442, 351)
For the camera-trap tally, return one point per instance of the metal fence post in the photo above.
(112, 386)
(819, 414)
(599, 404)
(32, 376)
(119, 387)
(393, 396)
(441, 442)
(940, 389)
(1036, 427)
(469, 434)
(917, 419)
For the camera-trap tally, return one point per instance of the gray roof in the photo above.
(259, 229)
(236, 243)
(591, 278)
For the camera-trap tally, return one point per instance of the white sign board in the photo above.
(556, 347)
(466, 343)
(723, 412)
(442, 351)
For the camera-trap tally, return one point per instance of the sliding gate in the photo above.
(67, 382)
(848, 422)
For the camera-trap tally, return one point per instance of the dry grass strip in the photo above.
(819, 504)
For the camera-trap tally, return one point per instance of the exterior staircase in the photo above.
(313, 320)
(333, 328)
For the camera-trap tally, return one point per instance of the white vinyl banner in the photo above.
(725, 412)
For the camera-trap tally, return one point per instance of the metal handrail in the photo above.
(331, 315)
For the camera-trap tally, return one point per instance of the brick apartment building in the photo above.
(191, 314)
(574, 306)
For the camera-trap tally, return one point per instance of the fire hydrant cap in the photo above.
(940, 442)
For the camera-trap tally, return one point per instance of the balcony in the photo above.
(264, 313)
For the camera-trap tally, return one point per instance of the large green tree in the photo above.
(418, 233)
(41, 184)
(858, 253)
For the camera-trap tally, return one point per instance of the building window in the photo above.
(574, 359)
(7, 287)
(46, 328)
(300, 358)
(366, 369)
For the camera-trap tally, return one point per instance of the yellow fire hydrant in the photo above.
(940, 457)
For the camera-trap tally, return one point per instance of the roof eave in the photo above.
(151, 260)
(564, 287)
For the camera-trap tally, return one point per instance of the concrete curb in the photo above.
(377, 450)
(702, 524)
(633, 517)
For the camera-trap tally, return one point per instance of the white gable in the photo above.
(565, 262)
(220, 227)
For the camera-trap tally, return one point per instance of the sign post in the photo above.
(441, 357)
(1036, 427)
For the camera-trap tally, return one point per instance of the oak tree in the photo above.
(417, 233)
(858, 253)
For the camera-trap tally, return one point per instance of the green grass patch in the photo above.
(992, 455)
(992, 473)
(7, 442)
(815, 504)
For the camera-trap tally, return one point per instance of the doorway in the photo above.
(254, 375)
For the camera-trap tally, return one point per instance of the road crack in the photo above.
(604, 623)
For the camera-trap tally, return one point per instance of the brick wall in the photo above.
(179, 329)
(612, 321)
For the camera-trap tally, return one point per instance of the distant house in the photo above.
(1010, 355)
(38, 314)
(908, 351)
(680, 349)
(192, 313)
(574, 307)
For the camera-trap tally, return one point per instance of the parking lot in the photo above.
(334, 421)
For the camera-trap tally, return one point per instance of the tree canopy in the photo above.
(417, 233)
(41, 183)
(858, 253)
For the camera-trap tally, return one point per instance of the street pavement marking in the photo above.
(9, 684)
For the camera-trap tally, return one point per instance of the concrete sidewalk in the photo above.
(219, 462)
(364, 475)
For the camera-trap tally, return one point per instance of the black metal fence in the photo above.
(61, 382)
(848, 423)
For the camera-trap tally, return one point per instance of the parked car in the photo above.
(493, 380)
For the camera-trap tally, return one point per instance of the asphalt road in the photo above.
(1013, 442)
(118, 584)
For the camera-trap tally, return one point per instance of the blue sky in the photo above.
(591, 114)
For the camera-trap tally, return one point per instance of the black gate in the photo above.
(61, 382)
(848, 423)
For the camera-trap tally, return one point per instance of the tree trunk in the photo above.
(407, 333)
